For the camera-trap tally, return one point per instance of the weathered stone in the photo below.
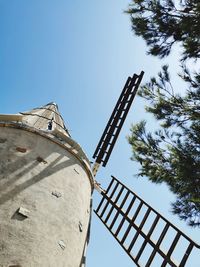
(56, 194)
(24, 212)
(41, 160)
(2, 140)
(33, 241)
(62, 244)
(21, 149)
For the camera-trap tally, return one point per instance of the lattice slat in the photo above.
(124, 213)
(116, 121)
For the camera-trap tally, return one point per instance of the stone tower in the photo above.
(45, 191)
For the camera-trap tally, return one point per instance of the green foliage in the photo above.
(163, 23)
(172, 153)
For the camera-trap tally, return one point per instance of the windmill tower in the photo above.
(46, 187)
(47, 183)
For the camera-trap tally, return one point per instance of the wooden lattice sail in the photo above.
(134, 224)
(116, 121)
(130, 219)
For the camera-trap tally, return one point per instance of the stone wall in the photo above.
(45, 195)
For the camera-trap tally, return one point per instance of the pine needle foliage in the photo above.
(172, 153)
(163, 23)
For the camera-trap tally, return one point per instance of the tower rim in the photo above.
(68, 144)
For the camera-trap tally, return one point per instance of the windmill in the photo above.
(46, 183)
(124, 213)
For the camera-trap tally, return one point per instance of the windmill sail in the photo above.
(115, 123)
(142, 232)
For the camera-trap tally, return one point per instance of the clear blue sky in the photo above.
(79, 54)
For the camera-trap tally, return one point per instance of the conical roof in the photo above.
(45, 118)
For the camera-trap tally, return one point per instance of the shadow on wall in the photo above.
(27, 163)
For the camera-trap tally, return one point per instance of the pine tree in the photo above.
(172, 153)
(164, 23)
